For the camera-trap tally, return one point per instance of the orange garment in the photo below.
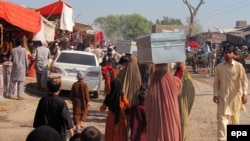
(116, 132)
(107, 85)
(113, 75)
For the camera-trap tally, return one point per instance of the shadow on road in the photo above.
(32, 90)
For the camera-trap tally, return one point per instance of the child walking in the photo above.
(80, 99)
(138, 119)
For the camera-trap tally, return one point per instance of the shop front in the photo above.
(15, 22)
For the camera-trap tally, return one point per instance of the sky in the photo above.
(214, 14)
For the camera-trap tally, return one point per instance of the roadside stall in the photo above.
(45, 35)
(80, 35)
(95, 38)
(67, 31)
(241, 41)
(16, 22)
(61, 14)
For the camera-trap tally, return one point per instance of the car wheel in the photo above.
(95, 94)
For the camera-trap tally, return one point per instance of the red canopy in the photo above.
(192, 44)
(53, 8)
(19, 16)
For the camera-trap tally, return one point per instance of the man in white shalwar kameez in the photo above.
(19, 59)
(42, 56)
(230, 92)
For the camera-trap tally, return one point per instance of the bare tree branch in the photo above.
(193, 12)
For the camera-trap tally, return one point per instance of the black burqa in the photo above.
(144, 71)
(112, 100)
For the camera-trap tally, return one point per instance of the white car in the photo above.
(68, 62)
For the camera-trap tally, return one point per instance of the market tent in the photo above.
(47, 32)
(53, 8)
(59, 8)
(19, 16)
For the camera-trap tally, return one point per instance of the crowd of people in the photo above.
(126, 89)
(144, 102)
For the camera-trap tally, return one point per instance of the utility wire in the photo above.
(223, 8)
(224, 11)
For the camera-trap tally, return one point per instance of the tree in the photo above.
(157, 21)
(110, 25)
(193, 12)
(169, 21)
(118, 27)
(197, 27)
(134, 26)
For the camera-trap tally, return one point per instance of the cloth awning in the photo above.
(59, 8)
(53, 8)
(47, 32)
(20, 16)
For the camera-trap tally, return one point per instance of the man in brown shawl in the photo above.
(80, 99)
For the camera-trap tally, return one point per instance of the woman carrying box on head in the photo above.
(162, 109)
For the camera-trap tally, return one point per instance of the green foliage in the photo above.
(169, 21)
(157, 21)
(117, 27)
(135, 25)
(110, 25)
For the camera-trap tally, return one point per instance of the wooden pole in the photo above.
(1, 38)
(53, 10)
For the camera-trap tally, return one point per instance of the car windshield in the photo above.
(74, 58)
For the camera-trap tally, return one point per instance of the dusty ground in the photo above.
(17, 116)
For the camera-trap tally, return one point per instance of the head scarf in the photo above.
(106, 70)
(44, 133)
(113, 99)
(80, 75)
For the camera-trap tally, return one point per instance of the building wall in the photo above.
(160, 28)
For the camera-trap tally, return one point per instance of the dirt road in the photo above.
(17, 117)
